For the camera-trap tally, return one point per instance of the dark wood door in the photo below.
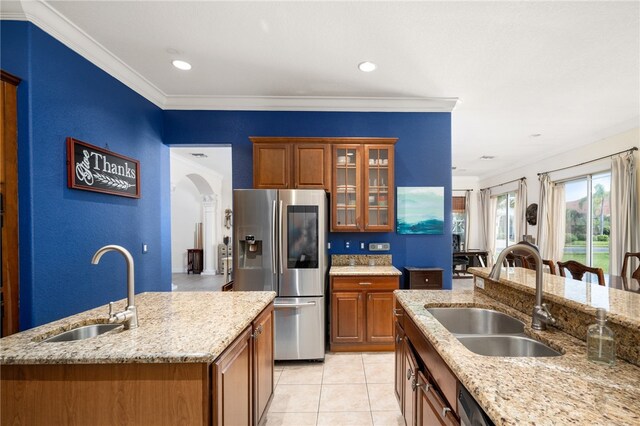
(347, 317)
(399, 367)
(10, 287)
(380, 317)
(409, 388)
(312, 166)
(271, 166)
(232, 384)
(263, 362)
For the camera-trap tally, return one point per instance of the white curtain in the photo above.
(521, 210)
(624, 210)
(467, 218)
(487, 222)
(551, 219)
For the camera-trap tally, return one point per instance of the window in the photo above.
(588, 220)
(505, 230)
(458, 220)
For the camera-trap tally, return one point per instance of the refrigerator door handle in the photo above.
(273, 238)
(293, 305)
(280, 240)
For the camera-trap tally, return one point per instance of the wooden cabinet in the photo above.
(363, 187)
(232, 383)
(291, 163)
(263, 358)
(362, 313)
(423, 278)
(425, 387)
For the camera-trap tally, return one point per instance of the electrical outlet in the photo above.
(347, 244)
(379, 246)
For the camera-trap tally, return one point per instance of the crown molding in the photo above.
(40, 13)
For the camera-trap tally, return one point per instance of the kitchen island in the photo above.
(193, 360)
(566, 389)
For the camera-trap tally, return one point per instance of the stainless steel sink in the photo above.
(476, 321)
(83, 332)
(508, 346)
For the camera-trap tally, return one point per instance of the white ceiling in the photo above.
(567, 70)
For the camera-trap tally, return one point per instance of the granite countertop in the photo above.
(180, 327)
(536, 391)
(622, 307)
(361, 270)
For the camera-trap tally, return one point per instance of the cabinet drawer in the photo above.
(364, 283)
(424, 278)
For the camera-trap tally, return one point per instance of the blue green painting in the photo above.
(421, 210)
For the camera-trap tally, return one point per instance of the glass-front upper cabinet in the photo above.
(363, 187)
(346, 183)
(379, 188)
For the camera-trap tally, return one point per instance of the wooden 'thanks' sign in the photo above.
(95, 169)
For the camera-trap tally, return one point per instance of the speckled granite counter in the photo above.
(361, 270)
(179, 327)
(573, 304)
(533, 391)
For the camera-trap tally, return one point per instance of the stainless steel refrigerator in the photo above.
(280, 245)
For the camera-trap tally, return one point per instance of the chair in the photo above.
(635, 274)
(578, 270)
(458, 260)
(530, 263)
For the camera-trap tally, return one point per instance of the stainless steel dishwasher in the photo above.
(471, 414)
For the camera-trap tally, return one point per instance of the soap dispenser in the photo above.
(601, 346)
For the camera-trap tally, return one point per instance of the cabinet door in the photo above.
(262, 362)
(380, 317)
(346, 192)
(312, 166)
(232, 384)
(399, 364)
(271, 165)
(347, 317)
(410, 381)
(378, 188)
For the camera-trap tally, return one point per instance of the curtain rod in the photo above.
(590, 161)
(500, 184)
(460, 190)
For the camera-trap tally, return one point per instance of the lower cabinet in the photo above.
(362, 313)
(426, 389)
(243, 375)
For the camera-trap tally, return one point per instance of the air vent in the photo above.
(199, 155)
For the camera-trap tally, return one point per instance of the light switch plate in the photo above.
(379, 246)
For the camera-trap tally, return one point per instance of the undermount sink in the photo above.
(509, 346)
(83, 332)
(476, 321)
(490, 333)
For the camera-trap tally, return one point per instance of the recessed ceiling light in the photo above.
(367, 66)
(453, 167)
(487, 157)
(199, 155)
(181, 65)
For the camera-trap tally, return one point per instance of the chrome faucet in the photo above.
(128, 317)
(541, 315)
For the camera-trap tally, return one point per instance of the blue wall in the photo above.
(62, 95)
(422, 158)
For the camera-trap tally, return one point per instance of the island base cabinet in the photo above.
(105, 394)
(263, 337)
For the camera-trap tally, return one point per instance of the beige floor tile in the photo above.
(362, 418)
(342, 358)
(347, 398)
(295, 399)
(290, 419)
(276, 376)
(378, 357)
(379, 373)
(302, 375)
(382, 397)
(387, 418)
(347, 373)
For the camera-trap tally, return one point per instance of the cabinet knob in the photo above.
(426, 280)
(444, 412)
(398, 339)
(397, 312)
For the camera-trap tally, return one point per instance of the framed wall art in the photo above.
(420, 210)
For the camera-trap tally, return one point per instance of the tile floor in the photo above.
(347, 389)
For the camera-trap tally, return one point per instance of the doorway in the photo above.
(201, 203)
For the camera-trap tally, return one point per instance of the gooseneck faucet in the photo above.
(128, 317)
(541, 315)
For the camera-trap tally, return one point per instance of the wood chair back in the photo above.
(627, 257)
(530, 263)
(578, 270)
